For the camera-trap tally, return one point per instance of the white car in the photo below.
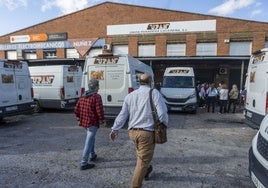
(258, 156)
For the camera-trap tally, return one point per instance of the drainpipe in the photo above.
(241, 80)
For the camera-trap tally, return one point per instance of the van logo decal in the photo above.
(7, 78)
(184, 71)
(252, 77)
(97, 75)
(106, 60)
(10, 64)
(42, 79)
(258, 58)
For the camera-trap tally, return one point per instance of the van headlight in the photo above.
(192, 96)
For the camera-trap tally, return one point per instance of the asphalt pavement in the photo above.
(203, 150)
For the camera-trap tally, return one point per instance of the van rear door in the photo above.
(15, 87)
(23, 85)
(72, 81)
(256, 93)
(257, 87)
(9, 97)
(111, 73)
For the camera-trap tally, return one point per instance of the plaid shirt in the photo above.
(89, 110)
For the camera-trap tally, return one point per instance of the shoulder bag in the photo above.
(160, 129)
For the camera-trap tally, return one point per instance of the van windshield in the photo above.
(178, 82)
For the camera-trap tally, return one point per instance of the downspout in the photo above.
(241, 80)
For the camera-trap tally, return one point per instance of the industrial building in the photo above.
(218, 48)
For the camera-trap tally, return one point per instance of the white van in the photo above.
(118, 75)
(256, 103)
(56, 86)
(178, 89)
(258, 156)
(16, 94)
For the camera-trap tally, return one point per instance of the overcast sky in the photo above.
(19, 14)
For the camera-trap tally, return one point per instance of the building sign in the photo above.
(38, 37)
(162, 27)
(36, 45)
(19, 38)
(82, 45)
(57, 36)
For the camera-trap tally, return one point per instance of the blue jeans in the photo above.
(89, 144)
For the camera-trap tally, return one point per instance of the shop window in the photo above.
(120, 49)
(266, 44)
(147, 50)
(29, 54)
(72, 53)
(206, 49)
(11, 55)
(240, 48)
(176, 49)
(50, 53)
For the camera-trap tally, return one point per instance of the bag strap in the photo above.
(152, 105)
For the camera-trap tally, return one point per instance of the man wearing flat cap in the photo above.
(89, 114)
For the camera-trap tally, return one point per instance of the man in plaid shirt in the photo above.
(89, 114)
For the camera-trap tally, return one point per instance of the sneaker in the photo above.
(93, 158)
(149, 170)
(87, 166)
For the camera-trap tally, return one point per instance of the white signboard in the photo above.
(162, 27)
(19, 38)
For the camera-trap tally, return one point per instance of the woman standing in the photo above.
(211, 97)
(233, 97)
(223, 98)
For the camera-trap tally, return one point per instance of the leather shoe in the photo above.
(93, 158)
(87, 166)
(149, 170)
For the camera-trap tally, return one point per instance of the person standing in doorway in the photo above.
(136, 110)
(89, 114)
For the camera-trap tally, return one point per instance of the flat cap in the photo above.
(93, 84)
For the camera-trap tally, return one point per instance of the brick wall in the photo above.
(92, 23)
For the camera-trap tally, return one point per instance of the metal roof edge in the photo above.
(194, 57)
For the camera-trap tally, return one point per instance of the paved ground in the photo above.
(203, 150)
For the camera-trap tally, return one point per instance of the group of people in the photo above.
(136, 111)
(212, 96)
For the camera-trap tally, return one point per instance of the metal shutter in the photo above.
(176, 49)
(206, 49)
(240, 48)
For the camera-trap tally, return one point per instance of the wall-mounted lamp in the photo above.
(226, 41)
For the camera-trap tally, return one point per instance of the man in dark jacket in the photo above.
(89, 114)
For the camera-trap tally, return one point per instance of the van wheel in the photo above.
(37, 108)
(193, 112)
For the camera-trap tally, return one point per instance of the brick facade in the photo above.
(92, 22)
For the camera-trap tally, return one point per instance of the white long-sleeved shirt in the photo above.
(224, 94)
(137, 110)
